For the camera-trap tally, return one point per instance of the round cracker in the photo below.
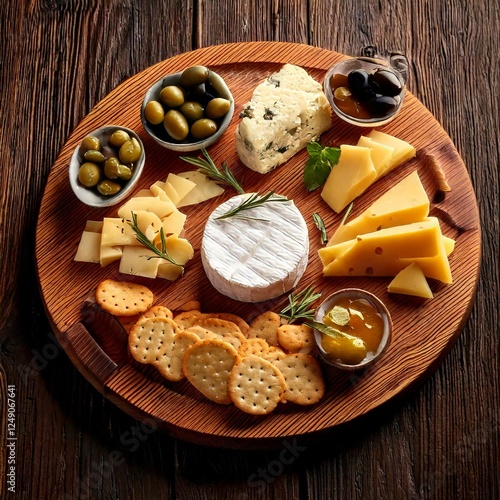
(122, 298)
(295, 338)
(256, 386)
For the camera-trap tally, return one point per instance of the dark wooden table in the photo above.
(57, 60)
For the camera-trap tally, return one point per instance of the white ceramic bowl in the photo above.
(91, 196)
(354, 293)
(369, 64)
(153, 94)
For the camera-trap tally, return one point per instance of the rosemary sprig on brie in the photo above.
(253, 201)
(299, 306)
(161, 253)
(207, 167)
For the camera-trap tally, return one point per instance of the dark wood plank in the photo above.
(60, 58)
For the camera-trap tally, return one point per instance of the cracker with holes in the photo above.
(156, 341)
(122, 298)
(296, 338)
(240, 322)
(225, 330)
(274, 354)
(157, 311)
(207, 365)
(259, 347)
(265, 326)
(256, 386)
(304, 380)
(187, 319)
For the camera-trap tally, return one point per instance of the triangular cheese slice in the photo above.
(411, 281)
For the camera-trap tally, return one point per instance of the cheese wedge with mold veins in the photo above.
(258, 257)
(285, 112)
(389, 251)
(353, 174)
(404, 203)
(411, 281)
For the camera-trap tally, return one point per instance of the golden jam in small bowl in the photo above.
(359, 329)
(365, 92)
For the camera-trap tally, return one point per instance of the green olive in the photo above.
(118, 138)
(154, 112)
(176, 125)
(192, 110)
(217, 107)
(111, 167)
(90, 142)
(193, 76)
(124, 172)
(130, 151)
(108, 188)
(94, 156)
(172, 96)
(203, 128)
(89, 174)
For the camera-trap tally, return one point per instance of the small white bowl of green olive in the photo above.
(106, 165)
(188, 110)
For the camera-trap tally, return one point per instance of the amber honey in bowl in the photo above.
(363, 327)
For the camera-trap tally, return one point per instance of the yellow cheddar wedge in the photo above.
(89, 247)
(404, 203)
(411, 281)
(388, 251)
(352, 175)
(380, 153)
(403, 151)
(137, 261)
(449, 245)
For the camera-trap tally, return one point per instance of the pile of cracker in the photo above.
(254, 366)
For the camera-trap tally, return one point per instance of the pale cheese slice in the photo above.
(139, 261)
(205, 189)
(155, 204)
(411, 281)
(174, 223)
(109, 254)
(380, 153)
(93, 226)
(144, 193)
(181, 251)
(89, 247)
(404, 203)
(116, 232)
(403, 151)
(352, 175)
(159, 189)
(180, 185)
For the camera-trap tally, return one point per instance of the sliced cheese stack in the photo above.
(259, 256)
(155, 208)
(286, 111)
(394, 232)
(360, 166)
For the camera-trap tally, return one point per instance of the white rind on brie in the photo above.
(286, 111)
(257, 259)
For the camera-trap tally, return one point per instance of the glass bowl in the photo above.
(380, 309)
(369, 65)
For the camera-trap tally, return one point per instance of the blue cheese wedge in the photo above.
(257, 256)
(286, 111)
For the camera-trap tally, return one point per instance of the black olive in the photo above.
(359, 84)
(382, 105)
(385, 82)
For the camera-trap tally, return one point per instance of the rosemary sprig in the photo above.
(347, 213)
(299, 305)
(318, 221)
(207, 167)
(143, 240)
(253, 201)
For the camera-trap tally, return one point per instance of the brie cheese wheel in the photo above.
(286, 111)
(258, 254)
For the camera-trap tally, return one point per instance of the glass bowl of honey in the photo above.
(364, 91)
(353, 328)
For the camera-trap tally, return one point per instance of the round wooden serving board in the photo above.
(424, 330)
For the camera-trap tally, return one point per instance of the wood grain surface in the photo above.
(58, 60)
